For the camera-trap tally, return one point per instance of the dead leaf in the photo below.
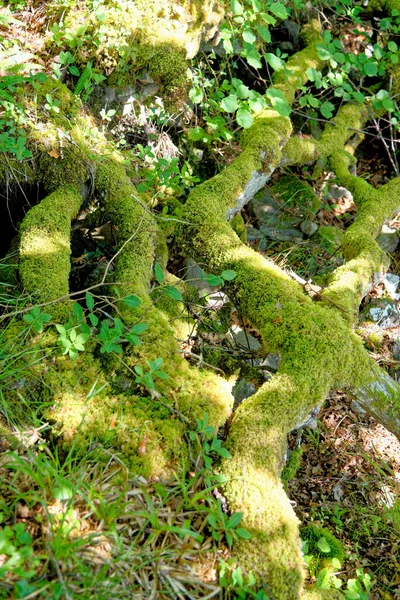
(54, 153)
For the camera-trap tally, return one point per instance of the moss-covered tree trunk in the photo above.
(319, 348)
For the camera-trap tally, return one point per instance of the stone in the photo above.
(244, 340)
(309, 227)
(272, 361)
(243, 389)
(388, 239)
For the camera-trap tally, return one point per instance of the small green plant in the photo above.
(51, 104)
(233, 580)
(18, 558)
(37, 319)
(147, 377)
(71, 341)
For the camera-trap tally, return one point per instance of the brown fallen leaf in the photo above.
(54, 153)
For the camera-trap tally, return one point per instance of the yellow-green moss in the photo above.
(45, 246)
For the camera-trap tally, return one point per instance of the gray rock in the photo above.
(337, 191)
(272, 222)
(309, 227)
(396, 350)
(388, 239)
(384, 312)
(243, 389)
(272, 362)
(245, 340)
(193, 277)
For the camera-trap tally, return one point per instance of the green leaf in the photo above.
(74, 71)
(161, 374)
(245, 119)
(248, 36)
(279, 102)
(224, 453)
(274, 61)
(234, 520)
(229, 103)
(149, 381)
(264, 33)
(139, 328)
(77, 310)
(253, 57)
(236, 7)
(138, 369)
(243, 533)
(159, 273)
(213, 280)
(132, 301)
(323, 545)
(93, 319)
(392, 46)
(89, 301)
(212, 521)
(155, 364)
(228, 275)
(327, 109)
(173, 293)
(371, 69)
(133, 339)
(278, 9)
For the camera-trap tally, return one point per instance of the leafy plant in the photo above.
(37, 319)
(71, 341)
(147, 377)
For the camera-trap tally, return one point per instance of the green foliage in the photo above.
(234, 581)
(164, 173)
(37, 319)
(146, 378)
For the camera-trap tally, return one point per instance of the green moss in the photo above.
(293, 191)
(45, 246)
(292, 466)
(350, 117)
(312, 534)
(70, 169)
(239, 227)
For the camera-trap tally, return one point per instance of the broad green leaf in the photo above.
(323, 545)
(133, 301)
(371, 69)
(234, 520)
(138, 369)
(213, 280)
(244, 118)
(236, 7)
(161, 374)
(253, 57)
(149, 381)
(327, 109)
(134, 339)
(139, 328)
(196, 133)
(228, 275)
(248, 36)
(279, 102)
(159, 273)
(229, 103)
(89, 301)
(173, 293)
(278, 9)
(274, 61)
(155, 364)
(392, 46)
(264, 33)
(243, 533)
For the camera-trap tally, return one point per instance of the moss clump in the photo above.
(312, 534)
(293, 191)
(292, 466)
(238, 226)
(45, 246)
